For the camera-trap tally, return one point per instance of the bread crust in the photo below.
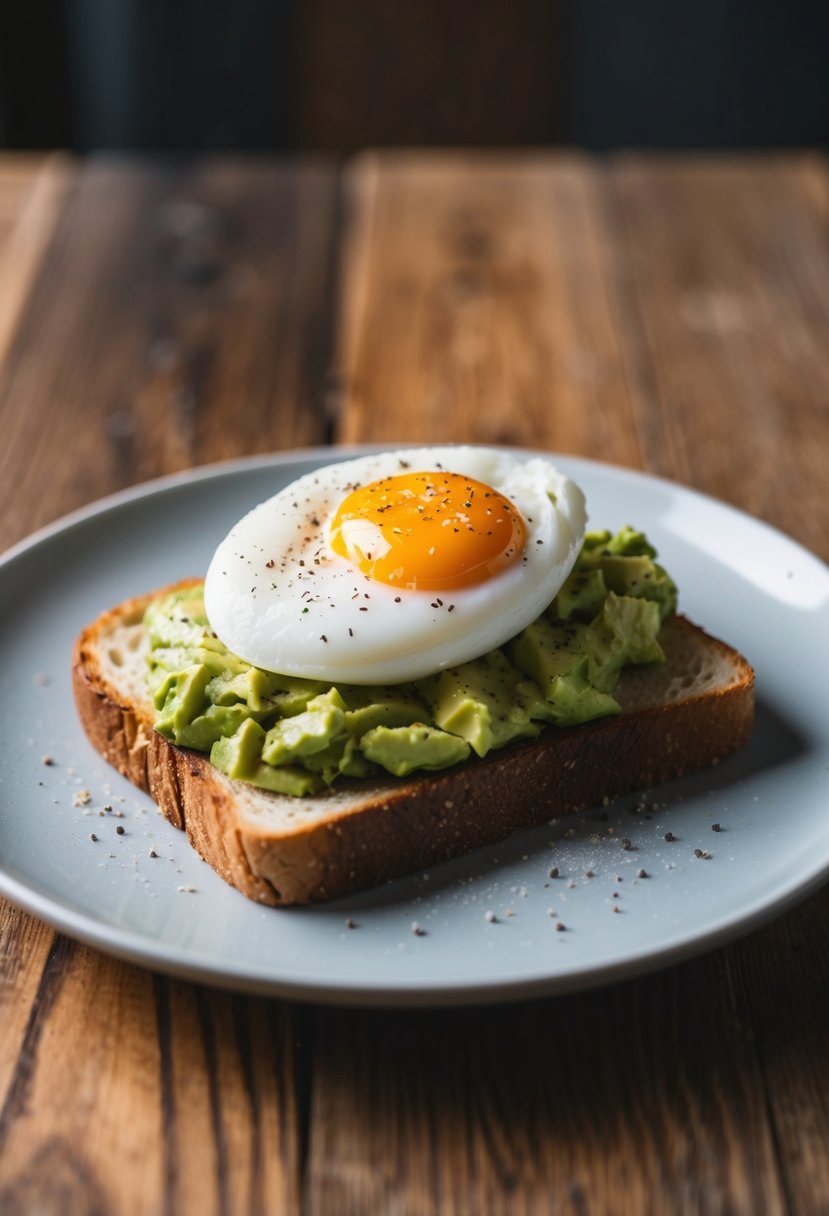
(383, 830)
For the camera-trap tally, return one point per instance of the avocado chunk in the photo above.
(343, 757)
(367, 707)
(177, 619)
(595, 539)
(486, 702)
(555, 656)
(288, 779)
(641, 578)
(216, 722)
(629, 542)
(624, 632)
(264, 692)
(402, 749)
(294, 739)
(582, 594)
(182, 697)
(239, 755)
(291, 694)
(253, 688)
(623, 563)
(188, 715)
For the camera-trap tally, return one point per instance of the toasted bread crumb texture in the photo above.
(685, 715)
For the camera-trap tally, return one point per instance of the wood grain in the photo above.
(476, 306)
(148, 341)
(137, 1094)
(31, 193)
(781, 995)
(619, 1102)
(722, 285)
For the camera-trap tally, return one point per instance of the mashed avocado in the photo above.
(298, 736)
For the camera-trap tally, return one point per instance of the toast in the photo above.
(684, 715)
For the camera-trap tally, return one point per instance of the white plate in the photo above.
(743, 580)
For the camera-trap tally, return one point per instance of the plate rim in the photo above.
(126, 945)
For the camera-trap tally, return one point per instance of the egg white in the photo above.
(278, 597)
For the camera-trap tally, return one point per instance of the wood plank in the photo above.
(645, 1097)
(19, 175)
(149, 340)
(137, 1094)
(722, 296)
(230, 1101)
(475, 306)
(31, 193)
(25, 944)
(782, 997)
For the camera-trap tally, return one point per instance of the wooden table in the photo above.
(668, 314)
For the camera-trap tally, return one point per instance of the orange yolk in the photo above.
(428, 531)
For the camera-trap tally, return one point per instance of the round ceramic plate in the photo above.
(145, 895)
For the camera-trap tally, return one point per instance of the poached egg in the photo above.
(394, 566)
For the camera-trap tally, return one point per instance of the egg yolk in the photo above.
(428, 531)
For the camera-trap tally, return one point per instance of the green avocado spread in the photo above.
(297, 736)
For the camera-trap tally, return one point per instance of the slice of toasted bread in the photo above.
(685, 715)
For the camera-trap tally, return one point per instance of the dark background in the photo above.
(272, 75)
